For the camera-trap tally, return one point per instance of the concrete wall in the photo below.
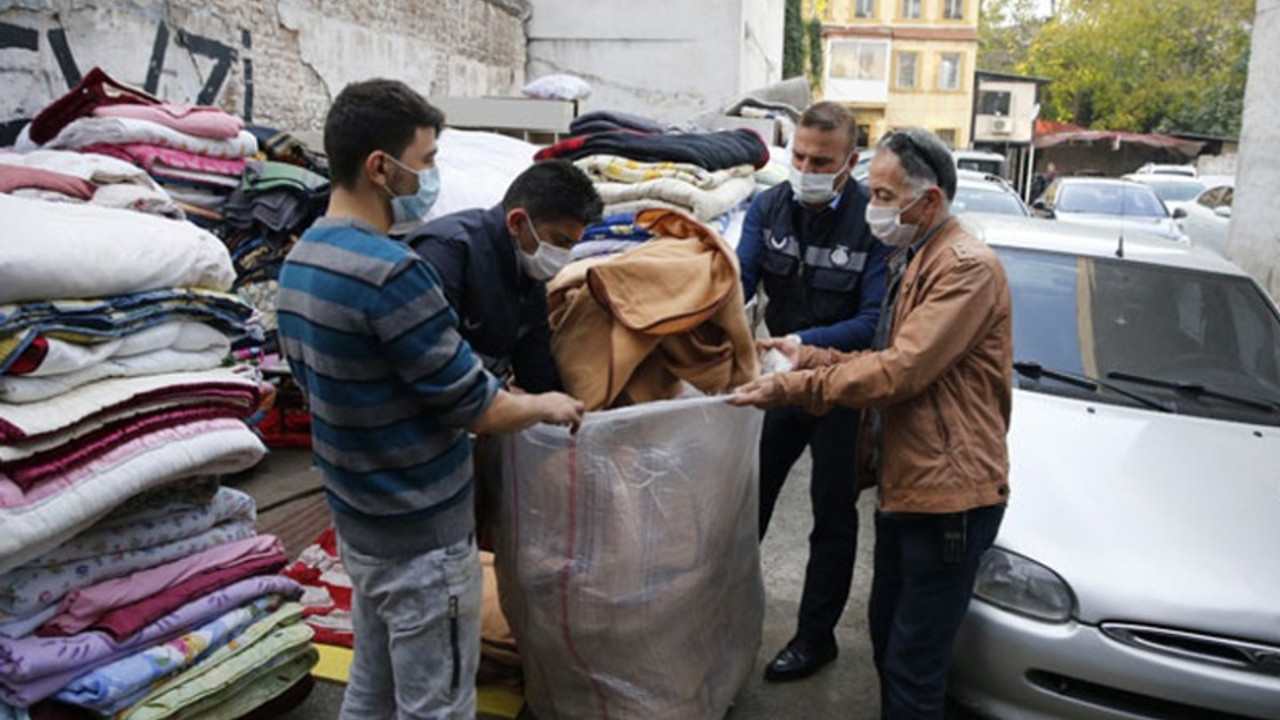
(277, 62)
(667, 59)
(1254, 242)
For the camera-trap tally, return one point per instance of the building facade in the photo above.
(900, 63)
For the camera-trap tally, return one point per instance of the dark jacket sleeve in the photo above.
(751, 248)
(856, 332)
(531, 359)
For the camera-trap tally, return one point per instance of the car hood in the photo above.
(1152, 518)
(1164, 227)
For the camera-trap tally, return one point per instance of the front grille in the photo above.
(1229, 652)
(1124, 701)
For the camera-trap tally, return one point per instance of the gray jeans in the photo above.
(417, 634)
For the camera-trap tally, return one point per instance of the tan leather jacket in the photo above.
(944, 383)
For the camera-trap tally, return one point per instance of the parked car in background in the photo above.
(979, 192)
(980, 161)
(1207, 219)
(1173, 190)
(1159, 169)
(1135, 574)
(1119, 205)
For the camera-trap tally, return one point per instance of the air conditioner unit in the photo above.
(1001, 126)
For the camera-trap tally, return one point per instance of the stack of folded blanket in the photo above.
(196, 153)
(131, 583)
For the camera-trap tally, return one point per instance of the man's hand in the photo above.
(559, 409)
(789, 346)
(764, 393)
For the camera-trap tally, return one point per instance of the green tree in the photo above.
(1144, 65)
(814, 27)
(793, 40)
(1006, 29)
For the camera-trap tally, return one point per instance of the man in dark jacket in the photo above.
(807, 242)
(495, 263)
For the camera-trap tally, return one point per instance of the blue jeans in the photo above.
(919, 596)
(417, 634)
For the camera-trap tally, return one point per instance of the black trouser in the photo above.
(918, 599)
(833, 493)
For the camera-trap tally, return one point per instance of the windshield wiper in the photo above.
(1195, 390)
(1035, 371)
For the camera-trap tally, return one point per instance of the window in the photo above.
(865, 9)
(864, 136)
(949, 72)
(947, 135)
(859, 60)
(907, 70)
(953, 9)
(994, 102)
(911, 9)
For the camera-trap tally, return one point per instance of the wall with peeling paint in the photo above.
(668, 59)
(275, 62)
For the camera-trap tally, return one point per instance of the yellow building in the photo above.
(899, 63)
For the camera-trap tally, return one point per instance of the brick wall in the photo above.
(276, 62)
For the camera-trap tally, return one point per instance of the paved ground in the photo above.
(846, 689)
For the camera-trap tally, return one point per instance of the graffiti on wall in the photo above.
(43, 55)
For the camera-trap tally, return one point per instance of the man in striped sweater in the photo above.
(393, 391)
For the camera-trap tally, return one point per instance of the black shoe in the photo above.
(800, 659)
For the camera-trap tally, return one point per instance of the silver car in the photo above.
(1137, 572)
(1117, 205)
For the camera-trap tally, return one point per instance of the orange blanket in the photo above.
(628, 328)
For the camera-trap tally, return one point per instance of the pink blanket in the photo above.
(198, 120)
(157, 160)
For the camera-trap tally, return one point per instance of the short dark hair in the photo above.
(828, 115)
(373, 115)
(924, 158)
(554, 190)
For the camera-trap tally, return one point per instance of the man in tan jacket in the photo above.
(938, 383)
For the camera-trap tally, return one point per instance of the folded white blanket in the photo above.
(97, 169)
(26, 389)
(113, 399)
(80, 251)
(704, 204)
(32, 530)
(115, 131)
(64, 357)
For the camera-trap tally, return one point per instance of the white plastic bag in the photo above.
(628, 560)
(557, 87)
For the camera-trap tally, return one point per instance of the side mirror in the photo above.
(1179, 213)
(1222, 211)
(1042, 209)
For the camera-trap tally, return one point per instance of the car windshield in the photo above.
(983, 200)
(1112, 318)
(1110, 199)
(995, 167)
(1175, 191)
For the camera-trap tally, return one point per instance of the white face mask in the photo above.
(885, 222)
(546, 261)
(816, 188)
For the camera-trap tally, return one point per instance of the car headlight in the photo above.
(1023, 586)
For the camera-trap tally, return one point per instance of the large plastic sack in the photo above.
(628, 560)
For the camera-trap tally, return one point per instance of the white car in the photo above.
(1207, 219)
(1159, 169)
(1122, 206)
(1137, 571)
(979, 192)
(1173, 190)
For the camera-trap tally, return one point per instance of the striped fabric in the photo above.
(392, 386)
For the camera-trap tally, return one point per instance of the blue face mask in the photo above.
(413, 208)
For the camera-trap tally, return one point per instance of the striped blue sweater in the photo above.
(373, 344)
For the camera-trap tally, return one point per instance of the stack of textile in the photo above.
(196, 153)
(637, 165)
(131, 584)
(72, 177)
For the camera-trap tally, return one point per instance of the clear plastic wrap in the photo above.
(628, 560)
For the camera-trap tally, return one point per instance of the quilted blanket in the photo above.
(38, 522)
(28, 389)
(703, 204)
(109, 400)
(612, 168)
(81, 251)
(91, 131)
